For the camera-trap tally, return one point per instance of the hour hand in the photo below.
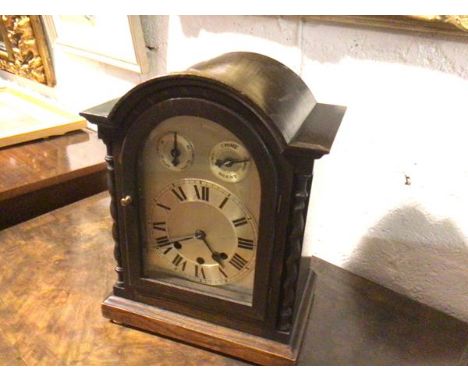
(229, 162)
(216, 256)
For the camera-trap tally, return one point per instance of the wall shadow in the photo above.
(358, 322)
(417, 255)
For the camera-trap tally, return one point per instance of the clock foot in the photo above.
(231, 342)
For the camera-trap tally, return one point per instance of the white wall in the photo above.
(407, 117)
(406, 123)
(407, 97)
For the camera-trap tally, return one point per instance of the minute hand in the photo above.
(167, 242)
(175, 152)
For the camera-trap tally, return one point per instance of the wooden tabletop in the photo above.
(56, 269)
(44, 174)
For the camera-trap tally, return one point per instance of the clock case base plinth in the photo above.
(231, 342)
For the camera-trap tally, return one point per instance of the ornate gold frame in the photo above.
(452, 25)
(27, 54)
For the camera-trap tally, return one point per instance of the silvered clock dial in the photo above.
(229, 161)
(201, 193)
(216, 246)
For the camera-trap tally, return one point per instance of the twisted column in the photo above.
(294, 249)
(113, 211)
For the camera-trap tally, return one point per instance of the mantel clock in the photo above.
(209, 174)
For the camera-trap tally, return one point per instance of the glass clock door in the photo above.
(200, 202)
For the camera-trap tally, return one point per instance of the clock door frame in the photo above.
(255, 319)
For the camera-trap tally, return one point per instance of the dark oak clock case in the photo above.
(271, 110)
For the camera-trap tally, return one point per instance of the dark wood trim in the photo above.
(201, 333)
(32, 201)
(295, 235)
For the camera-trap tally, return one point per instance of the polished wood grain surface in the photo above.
(26, 164)
(41, 175)
(56, 269)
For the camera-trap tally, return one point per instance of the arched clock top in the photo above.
(244, 81)
(276, 90)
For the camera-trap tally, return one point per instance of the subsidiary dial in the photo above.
(230, 161)
(175, 151)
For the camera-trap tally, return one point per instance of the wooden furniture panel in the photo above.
(39, 176)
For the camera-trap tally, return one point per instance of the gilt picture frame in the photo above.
(24, 49)
(444, 25)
